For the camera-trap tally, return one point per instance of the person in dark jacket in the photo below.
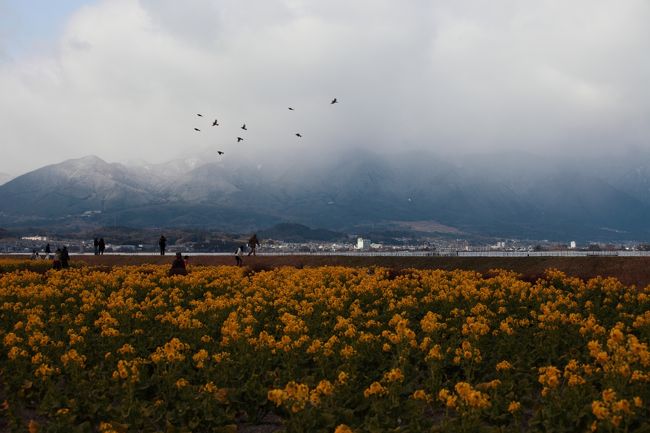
(65, 258)
(178, 266)
(47, 251)
(56, 263)
(253, 243)
(101, 246)
(96, 245)
(162, 243)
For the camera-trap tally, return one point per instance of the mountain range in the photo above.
(495, 196)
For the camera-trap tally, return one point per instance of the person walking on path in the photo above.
(65, 258)
(253, 243)
(101, 246)
(162, 243)
(238, 255)
(96, 245)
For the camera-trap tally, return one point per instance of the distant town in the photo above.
(36, 245)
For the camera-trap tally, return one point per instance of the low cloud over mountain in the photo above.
(504, 195)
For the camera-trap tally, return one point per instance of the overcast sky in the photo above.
(124, 79)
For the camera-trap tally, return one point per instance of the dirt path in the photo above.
(630, 270)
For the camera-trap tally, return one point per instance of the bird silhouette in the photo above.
(215, 123)
(197, 129)
(298, 135)
(200, 115)
(244, 127)
(219, 152)
(290, 108)
(239, 139)
(334, 101)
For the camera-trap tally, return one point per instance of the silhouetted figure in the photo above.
(96, 245)
(290, 108)
(56, 263)
(200, 115)
(215, 123)
(253, 243)
(47, 251)
(334, 101)
(244, 127)
(238, 255)
(65, 258)
(219, 152)
(178, 266)
(35, 254)
(102, 246)
(162, 243)
(197, 129)
(298, 135)
(239, 139)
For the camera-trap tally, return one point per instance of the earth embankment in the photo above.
(629, 270)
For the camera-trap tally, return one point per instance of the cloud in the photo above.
(127, 78)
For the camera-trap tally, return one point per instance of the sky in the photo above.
(124, 79)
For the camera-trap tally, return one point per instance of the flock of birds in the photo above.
(243, 127)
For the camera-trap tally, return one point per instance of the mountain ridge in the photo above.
(494, 196)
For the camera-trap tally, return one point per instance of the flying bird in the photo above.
(298, 135)
(219, 152)
(200, 115)
(244, 127)
(239, 139)
(197, 129)
(215, 123)
(290, 108)
(334, 101)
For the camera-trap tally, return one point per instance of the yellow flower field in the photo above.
(329, 349)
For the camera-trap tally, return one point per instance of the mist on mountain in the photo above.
(517, 195)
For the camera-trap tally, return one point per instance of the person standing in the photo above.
(65, 258)
(162, 243)
(178, 266)
(47, 251)
(253, 243)
(101, 246)
(238, 255)
(96, 245)
(56, 263)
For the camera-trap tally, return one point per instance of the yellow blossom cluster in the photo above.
(611, 410)
(315, 345)
(465, 397)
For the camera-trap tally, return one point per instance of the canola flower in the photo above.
(423, 349)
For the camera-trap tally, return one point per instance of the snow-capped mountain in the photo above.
(497, 195)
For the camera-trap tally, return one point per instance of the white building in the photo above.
(363, 244)
(34, 238)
